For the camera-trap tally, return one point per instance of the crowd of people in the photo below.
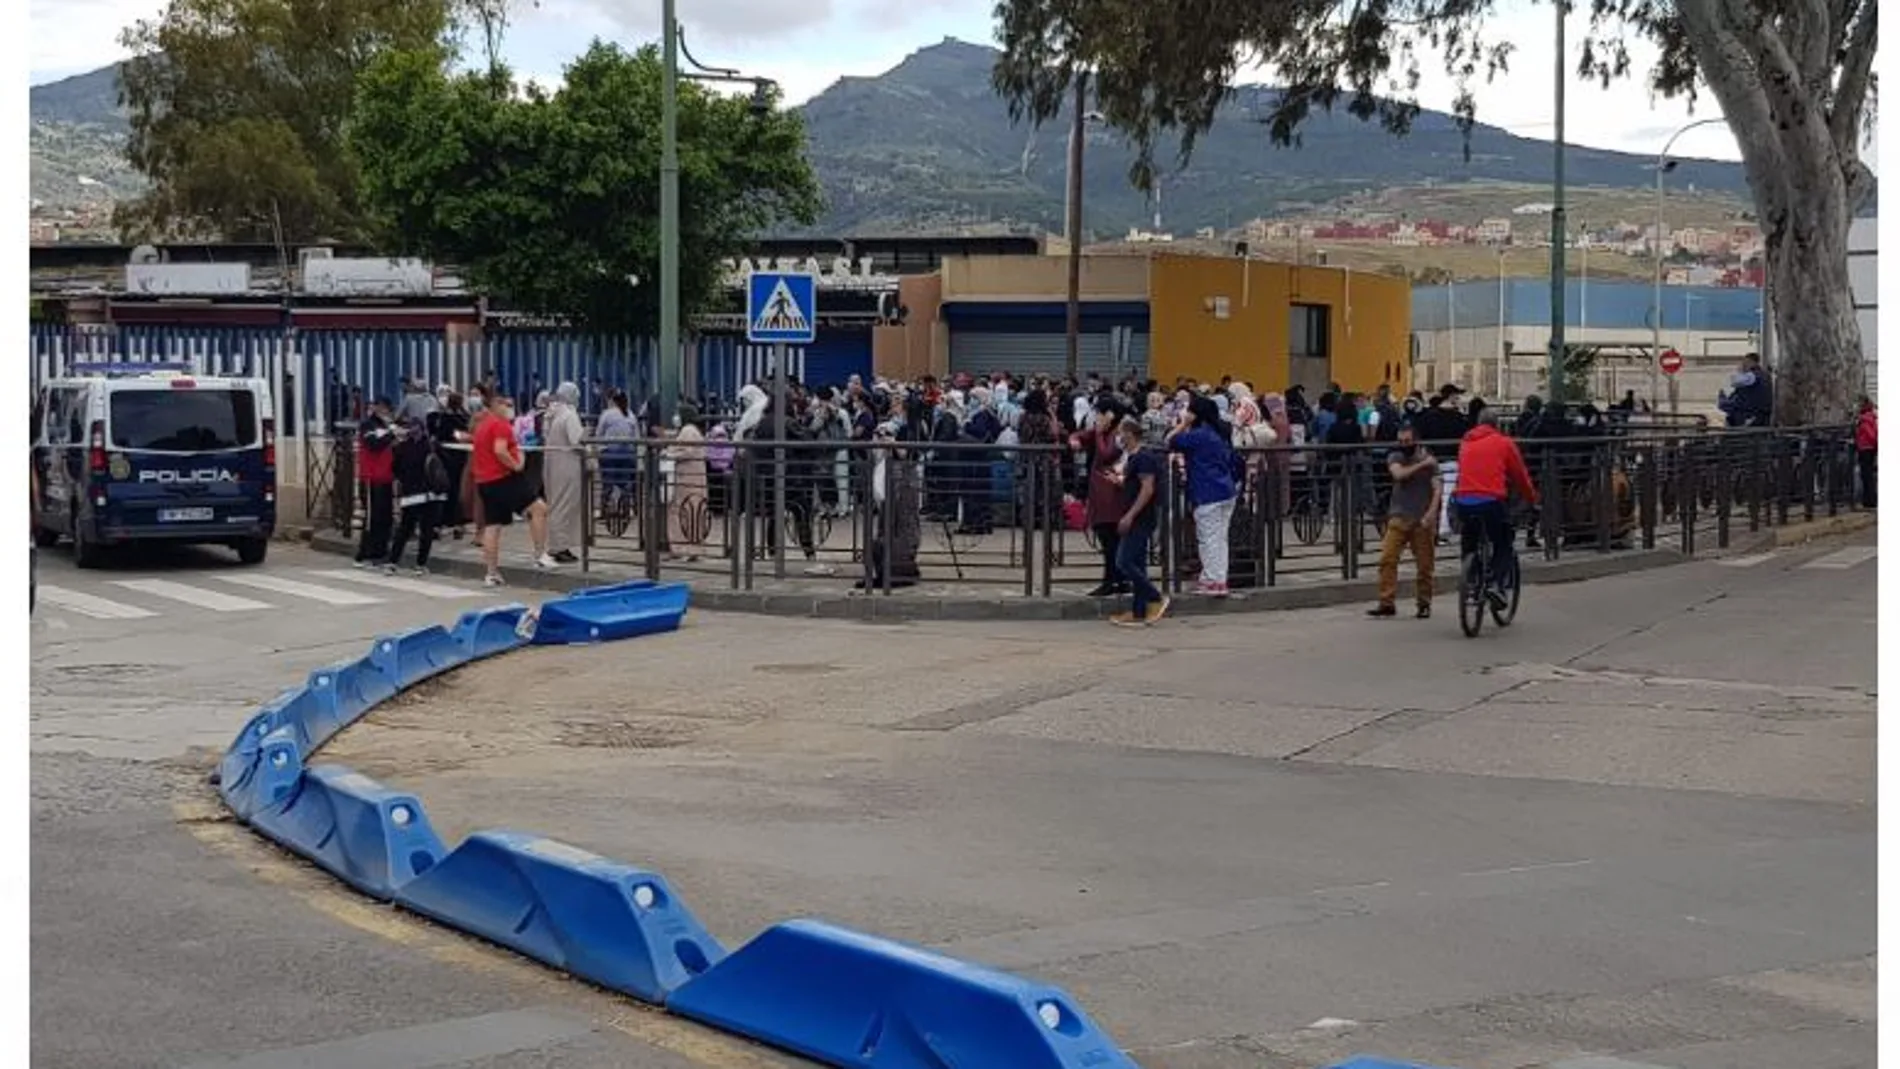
(440, 459)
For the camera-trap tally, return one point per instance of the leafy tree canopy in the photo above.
(1794, 78)
(552, 200)
(238, 108)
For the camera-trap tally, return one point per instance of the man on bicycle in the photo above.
(1490, 469)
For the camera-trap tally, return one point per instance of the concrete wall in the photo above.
(1042, 278)
(1210, 317)
(1371, 318)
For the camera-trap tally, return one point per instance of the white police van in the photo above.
(149, 452)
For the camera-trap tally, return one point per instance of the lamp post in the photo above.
(1558, 230)
(1504, 356)
(1072, 223)
(1663, 166)
(672, 48)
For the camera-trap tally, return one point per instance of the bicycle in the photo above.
(1475, 594)
(616, 508)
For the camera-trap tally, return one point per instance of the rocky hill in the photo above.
(927, 146)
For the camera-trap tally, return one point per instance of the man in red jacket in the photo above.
(1490, 469)
(376, 467)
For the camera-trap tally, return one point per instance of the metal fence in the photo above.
(883, 516)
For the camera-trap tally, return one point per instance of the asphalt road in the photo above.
(1636, 830)
(165, 936)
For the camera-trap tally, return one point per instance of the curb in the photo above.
(901, 606)
(804, 986)
(1795, 534)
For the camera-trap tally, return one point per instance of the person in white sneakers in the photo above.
(505, 490)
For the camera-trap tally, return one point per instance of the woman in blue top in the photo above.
(1202, 439)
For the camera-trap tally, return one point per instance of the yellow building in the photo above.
(1163, 315)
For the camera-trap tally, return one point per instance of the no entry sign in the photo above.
(1670, 361)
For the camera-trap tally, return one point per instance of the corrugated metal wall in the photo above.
(1114, 352)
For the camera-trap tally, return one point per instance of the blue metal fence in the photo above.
(308, 366)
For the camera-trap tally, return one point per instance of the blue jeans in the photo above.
(1131, 563)
(1492, 520)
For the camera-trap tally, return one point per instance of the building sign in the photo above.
(370, 277)
(188, 280)
(841, 274)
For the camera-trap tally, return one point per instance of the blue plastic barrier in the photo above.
(409, 657)
(605, 616)
(373, 838)
(610, 589)
(261, 776)
(486, 632)
(850, 999)
(601, 920)
(338, 696)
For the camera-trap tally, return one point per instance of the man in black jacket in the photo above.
(1440, 428)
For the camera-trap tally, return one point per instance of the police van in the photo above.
(131, 453)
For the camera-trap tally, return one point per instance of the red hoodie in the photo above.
(1490, 467)
(1866, 433)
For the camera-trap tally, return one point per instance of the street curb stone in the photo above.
(907, 606)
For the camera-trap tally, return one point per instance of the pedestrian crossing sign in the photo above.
(781, 307)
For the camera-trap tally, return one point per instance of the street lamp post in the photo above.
(672, 48)
(1663, 166)
(1072, 224)
(1558, 229)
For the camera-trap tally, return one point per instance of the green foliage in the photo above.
(552, 201)
(237, 110)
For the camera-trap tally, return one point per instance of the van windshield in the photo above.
(184, 421)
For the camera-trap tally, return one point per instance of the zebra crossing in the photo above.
(242, 592)
(1839, 560)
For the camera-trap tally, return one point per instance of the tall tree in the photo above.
(1793, 77)
(238, 109)
(551, 201)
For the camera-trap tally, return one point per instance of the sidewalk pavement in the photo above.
(934, 599)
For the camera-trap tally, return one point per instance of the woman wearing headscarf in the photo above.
(688, 504)
(1279, 461)
(562, 465)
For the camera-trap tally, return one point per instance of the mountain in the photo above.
(76, 141)
(928, 144)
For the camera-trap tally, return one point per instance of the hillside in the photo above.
(928, 146)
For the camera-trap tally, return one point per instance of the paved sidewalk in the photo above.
(831, 596)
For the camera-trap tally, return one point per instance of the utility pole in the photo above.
(1559, 231)
(670, 371)
(1073, 224)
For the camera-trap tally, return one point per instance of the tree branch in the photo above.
(1850, 93)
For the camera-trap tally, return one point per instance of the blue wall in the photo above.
(1613, 306)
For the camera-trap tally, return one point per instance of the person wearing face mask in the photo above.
(505, 491)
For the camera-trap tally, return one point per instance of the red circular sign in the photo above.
(1670, 361)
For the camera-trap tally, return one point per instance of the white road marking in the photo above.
(1515, 869)
(326, 594)
(191, 595)
(88, 605)
(419, 587)
(1844, 558)
(1745, 562)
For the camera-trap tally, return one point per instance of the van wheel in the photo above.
(252, 550)
(45, 537)
(86, 552)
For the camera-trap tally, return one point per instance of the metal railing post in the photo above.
(587, 512)
(1724, 494)
(1026, 520)
(1603, 485)
(1649, 493)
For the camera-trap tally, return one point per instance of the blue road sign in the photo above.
(781, 307)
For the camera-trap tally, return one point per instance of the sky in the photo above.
(807, 46)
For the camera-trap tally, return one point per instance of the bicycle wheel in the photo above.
(1471, 602)
(1510, 584)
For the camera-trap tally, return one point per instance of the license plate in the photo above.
(184, 515)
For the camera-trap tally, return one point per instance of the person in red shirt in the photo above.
(504, 489)
(1865, 444)
(1490, 469)
(375, 469)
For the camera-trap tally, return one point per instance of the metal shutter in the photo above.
(1111, 352)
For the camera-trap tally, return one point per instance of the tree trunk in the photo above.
(1807, 180)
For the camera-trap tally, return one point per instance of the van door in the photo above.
(184, 458)
(59, 456)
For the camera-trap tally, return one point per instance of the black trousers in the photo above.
(1108, 539)
(418, 520)
(1868, 483)
(375, 540)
